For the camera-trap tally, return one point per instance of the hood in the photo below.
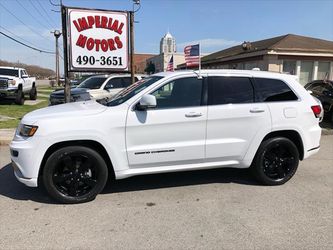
(74, 91)
(73, 109)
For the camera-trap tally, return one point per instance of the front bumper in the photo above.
(30, 182)
(26, 159)
(8, 93)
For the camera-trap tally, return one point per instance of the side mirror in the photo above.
(147, 102)
(25, 76)
(310, 92)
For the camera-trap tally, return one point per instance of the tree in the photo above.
(150, 68)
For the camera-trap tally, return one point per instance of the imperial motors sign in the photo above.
(98, 40)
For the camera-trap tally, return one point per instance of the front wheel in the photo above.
(74, 174)
(19, 100)
(276, 161)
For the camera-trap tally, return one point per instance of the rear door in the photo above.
(234, 118)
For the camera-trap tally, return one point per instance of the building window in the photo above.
(289, 67)
(306, 72)
(323, 70)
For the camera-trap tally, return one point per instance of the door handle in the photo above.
(257, 110)
(193, 114)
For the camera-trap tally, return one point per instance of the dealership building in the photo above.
(308, 58)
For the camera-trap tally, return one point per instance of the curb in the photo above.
(6, 136)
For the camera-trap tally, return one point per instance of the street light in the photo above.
(57, 34)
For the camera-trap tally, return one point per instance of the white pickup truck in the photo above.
(15, 82)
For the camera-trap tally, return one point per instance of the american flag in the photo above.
(192, 55)
(170, 65)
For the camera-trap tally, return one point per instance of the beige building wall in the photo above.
(161, 61)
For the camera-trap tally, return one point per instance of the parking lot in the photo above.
(215, 209)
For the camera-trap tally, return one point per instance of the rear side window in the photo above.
(224, 90)
(114, 83)
(273, 90)
(127, 81)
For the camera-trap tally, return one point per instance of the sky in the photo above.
(216, 24)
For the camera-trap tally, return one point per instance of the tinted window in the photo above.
(224, 90)
(127, 81)
(9, 72)
(273, 90)
(132, 90)
(92, 83)
(185, 92)
(114, 83)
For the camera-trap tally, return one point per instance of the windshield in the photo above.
(132, 90)
(9, 72)
(93, 82)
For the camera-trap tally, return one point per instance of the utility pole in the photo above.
(135, 3)
(132, 44)
(57, 34)
(67, 89)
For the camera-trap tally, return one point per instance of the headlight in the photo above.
(27, 130)
(12, 82)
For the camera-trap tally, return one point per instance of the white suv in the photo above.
(170, 122)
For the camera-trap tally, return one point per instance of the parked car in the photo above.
(170, 121)
(323, 90)
(77, 95)
(96, 87)
(15, 83)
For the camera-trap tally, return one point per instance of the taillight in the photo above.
(316, 110)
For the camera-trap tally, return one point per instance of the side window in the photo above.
(127, 81)
(273, 90)
(224, 90)
(184, 92)
(114, 83)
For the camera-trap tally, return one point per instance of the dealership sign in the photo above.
(98, 40)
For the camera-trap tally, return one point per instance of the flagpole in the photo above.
(200, 61)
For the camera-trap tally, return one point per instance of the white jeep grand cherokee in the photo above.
(170, 122)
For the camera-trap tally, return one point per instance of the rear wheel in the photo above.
(19, 97)
(74, 174)
(276, 161)
(33, 93)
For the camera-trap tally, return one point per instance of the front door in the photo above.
(173, 133)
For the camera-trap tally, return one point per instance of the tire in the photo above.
(19, 100)
(74, 174)
(33, 93)
(276, 161)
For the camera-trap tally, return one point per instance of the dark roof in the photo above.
(287, 42)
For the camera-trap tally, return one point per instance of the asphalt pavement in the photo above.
(215, 209)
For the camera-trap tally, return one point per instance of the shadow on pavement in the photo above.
(179, 179)
(7, 101)
(11, 188)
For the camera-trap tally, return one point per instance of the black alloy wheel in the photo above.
(75, 174)
(276, 161)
